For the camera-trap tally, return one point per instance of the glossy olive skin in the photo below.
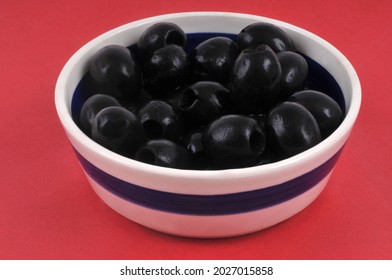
(91, 108)
(193, 143)
(118, 129)
(163, 152)
(233, 141)
(204, 101)
(116, 67)
(255, 80)
(291, 129)
(159, 35)
(165, 70)
(160, 120)
(325, 110)
(294, 73)
(90, 87)
(265, 33)
(213, 59)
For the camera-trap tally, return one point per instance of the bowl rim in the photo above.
(64, 114)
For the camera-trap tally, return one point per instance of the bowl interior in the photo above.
(319, 78)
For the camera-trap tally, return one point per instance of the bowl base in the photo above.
(200, 226)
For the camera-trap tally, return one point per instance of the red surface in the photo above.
(47, 208)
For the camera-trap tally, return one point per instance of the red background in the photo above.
(47, 208)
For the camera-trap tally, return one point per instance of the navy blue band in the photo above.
(209, 204)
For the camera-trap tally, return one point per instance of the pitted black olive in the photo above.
(294, 73)
(255, 80)
(204, 101)
(118, 129)
(265, 33)
(163, 152)
(165, 70)
(159, 35)
(233, 141)
(91, 108)
(291, 129)
(213, 59)
(116, 67)
(325, 110)
(160, 120)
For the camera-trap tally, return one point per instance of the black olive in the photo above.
(325, 110)
(291, 129)
(204, 101)
(294, 73)
(163, 152)
(160, 120)
(213, 59)
(159, 35)
(90, 87)
(255, 79)
(165, 70)
(91, 108)
(233, 141)
(118, 129)
(193, 143)
(115, 67)
(265, 33)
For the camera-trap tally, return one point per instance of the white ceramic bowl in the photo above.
(219, 203)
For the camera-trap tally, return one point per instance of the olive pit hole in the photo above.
(188, 99)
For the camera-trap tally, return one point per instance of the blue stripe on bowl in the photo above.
(224, 204)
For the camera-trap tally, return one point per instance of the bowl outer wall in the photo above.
(208, 182)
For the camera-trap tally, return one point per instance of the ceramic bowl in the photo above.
(219, 203)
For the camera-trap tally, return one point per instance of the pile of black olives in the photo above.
(223, 104)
